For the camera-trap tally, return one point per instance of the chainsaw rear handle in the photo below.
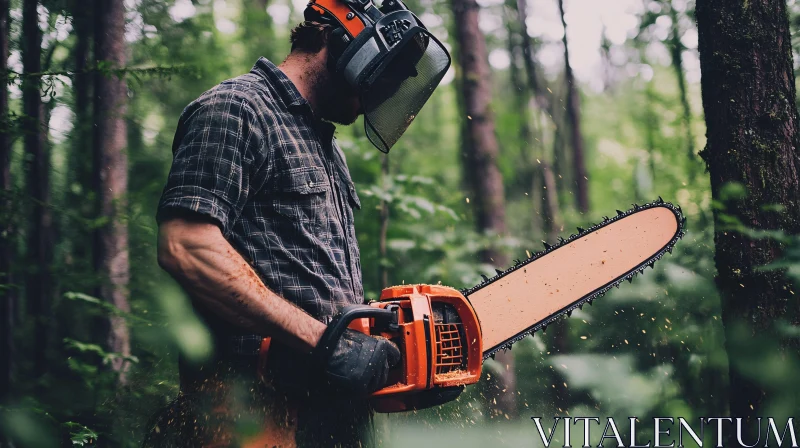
(385, 318)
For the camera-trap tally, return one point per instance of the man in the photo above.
(256, 223)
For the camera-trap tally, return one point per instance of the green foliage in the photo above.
(80, 435)
(653, 347)
(86, 348)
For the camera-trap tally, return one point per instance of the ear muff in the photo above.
(338, 41)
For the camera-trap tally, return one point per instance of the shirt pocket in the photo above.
(304, 197)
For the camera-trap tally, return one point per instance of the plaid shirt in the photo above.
(251, 155)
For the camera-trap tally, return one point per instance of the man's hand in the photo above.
(360, 363)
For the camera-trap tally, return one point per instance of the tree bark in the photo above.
(752, 139)
(676, 51)
(111, 174)
(7, 291)
(480, 156)
(40, 238)
(574, 120)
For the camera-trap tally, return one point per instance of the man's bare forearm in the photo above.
(209, 268)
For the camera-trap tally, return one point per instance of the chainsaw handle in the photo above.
(384, 318)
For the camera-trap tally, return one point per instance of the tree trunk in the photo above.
(605, 60)
(651, 124)
(480, 156)
(676, 51)
(551, 213)
(40, 240)
(535, 82)
(574, 120)
(520, 91)
(83, 120)
(752, 133)
(7, 291)
(383, 271)
(111, 174)
(561, 160)
(544, 182)
(522, 100)
(80, 171)
(544, 178)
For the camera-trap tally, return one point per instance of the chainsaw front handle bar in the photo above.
(385, 318)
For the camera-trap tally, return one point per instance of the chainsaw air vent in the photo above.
(449, 334)
(449, 349)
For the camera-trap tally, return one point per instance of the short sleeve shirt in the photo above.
(251, 155)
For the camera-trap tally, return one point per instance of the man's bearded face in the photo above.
(339, 103)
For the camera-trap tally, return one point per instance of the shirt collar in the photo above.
(284, 86)
(289, 94)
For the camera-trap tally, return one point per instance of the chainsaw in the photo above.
(445, 334)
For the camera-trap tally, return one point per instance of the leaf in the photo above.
(107, 357)
(422, 204)
(448, 211)
(83, 297)
(732, 191)
(412, 212)
(81, 435)
(773, 208)
(105, 306)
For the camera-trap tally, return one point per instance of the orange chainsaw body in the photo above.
(439, 336)
(440, 339)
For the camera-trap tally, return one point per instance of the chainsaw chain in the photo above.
(548, 248)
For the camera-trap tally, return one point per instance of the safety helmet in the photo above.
(386, 55)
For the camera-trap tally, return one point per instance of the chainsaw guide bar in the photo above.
(478, 293)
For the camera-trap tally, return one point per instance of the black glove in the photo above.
(359, 363)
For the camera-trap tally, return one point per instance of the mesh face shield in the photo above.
(395, 91)
(394, 64)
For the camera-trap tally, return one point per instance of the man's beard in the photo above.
(338, 115)
(335, 98)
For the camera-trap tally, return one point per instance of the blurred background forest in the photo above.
(552, 129)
